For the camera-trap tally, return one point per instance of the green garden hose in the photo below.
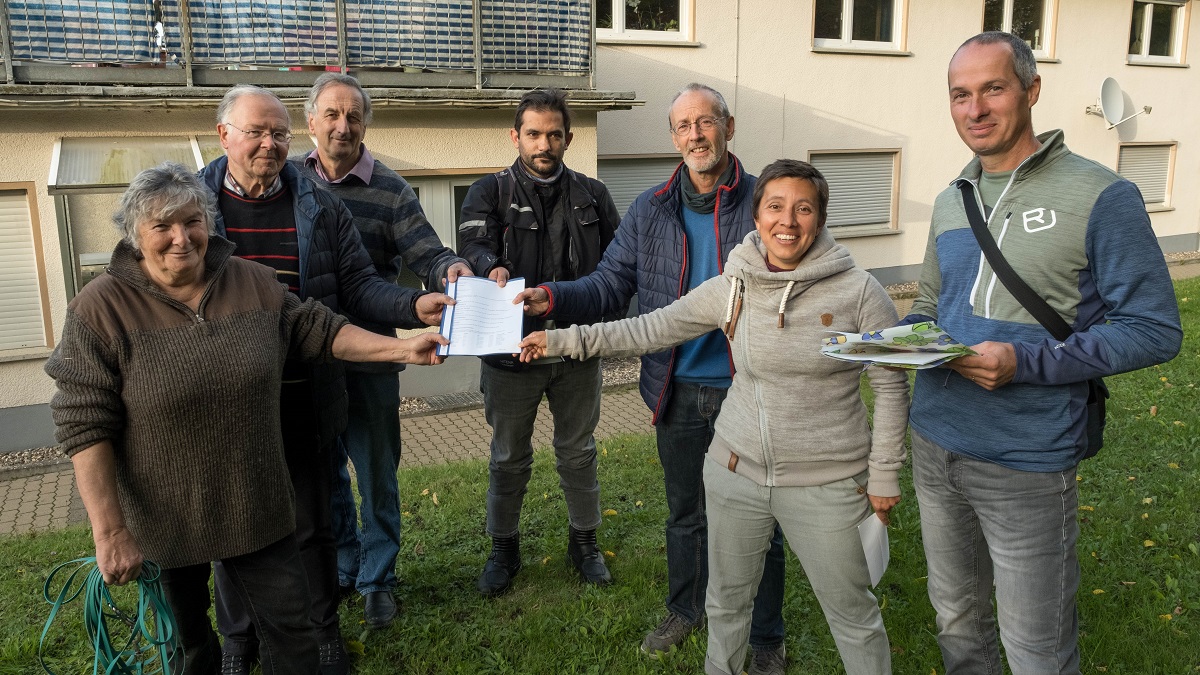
(152, 637)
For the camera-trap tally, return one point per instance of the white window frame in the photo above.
(618, 33)
(1049, 21)
(436, 194)
(846, 43)
(1168, 179)
(893, 221)
(1178, 40)
(38, 267)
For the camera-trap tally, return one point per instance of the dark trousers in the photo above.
(271, 583)
(684, 432)
(312, 471)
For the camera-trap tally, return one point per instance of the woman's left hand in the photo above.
(882, 506)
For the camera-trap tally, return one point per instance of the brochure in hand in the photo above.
(483, 319)
(915, 347)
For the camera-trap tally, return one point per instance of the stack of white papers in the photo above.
(916, 346)
(483, 319)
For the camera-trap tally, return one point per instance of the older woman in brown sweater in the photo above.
(168, 377)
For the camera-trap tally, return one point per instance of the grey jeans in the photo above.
(985, 524)
(820, 524)
(510, 404)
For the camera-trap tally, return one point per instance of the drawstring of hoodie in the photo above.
(787, 293)
(733, 308)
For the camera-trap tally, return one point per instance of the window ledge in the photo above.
(27, 354)
(1048, 59)
(860, 51)
(645, 42)
(856, 231)
(1155, 64)
(1158, 208)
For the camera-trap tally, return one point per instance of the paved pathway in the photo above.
(49, 500)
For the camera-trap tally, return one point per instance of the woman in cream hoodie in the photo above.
(792, 443)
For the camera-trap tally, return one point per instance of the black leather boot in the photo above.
(502, 565)
(587, 558)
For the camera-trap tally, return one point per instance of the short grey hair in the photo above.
(329, 79)
(1024, 63)
(237, 91)
(722, 107)
(161, 192)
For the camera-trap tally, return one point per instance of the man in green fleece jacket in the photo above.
(996, 438)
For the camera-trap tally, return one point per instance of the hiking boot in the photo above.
(501, 566)
(235, 664)
(587, 558)
(333, 658)
(670, 633)
(769, 661)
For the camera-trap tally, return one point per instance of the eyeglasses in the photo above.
(703, 124)
(280, 137)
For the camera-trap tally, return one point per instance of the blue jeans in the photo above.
(983, 523)
(367, 555)
(510, 404)
(684, 431)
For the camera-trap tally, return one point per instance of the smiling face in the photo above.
(541, 141)
(992, 112)
(788, 220)
(704, 152)
(173, 246)
(338, 123)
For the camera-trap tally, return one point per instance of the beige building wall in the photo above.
(789, 100)
(412, 141)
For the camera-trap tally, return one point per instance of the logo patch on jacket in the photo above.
(1039, 216)
(826, 320)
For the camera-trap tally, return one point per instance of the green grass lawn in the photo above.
(1139, 600)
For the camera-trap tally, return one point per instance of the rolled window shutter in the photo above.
(860, 187)
(21, 323)
(628, 178)
(1149, 168)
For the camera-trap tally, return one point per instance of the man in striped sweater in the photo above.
(394, 229)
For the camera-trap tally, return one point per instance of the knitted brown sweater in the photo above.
(189, 401)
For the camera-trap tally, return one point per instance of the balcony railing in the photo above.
(482, 44)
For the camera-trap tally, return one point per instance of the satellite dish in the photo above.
(1112, 104)
(1112, 101)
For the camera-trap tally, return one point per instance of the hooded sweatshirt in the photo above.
(793, 417)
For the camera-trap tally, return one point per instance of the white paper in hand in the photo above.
(874, 537)
(483, 319)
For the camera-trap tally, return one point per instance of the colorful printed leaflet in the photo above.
(916, 346)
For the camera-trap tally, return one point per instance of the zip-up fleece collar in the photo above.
(1052, 147)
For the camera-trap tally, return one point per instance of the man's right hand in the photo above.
(429, 307)
(499, 275)
(536, 299)
(119, 557)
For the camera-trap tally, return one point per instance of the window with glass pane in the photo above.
(870, 24)
(1024, 18)
(873, 20)
(615, 17)
(1154, 33)
(828, 23)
